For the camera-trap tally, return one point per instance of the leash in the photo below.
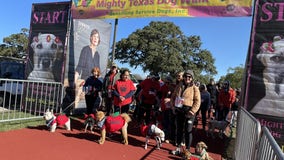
(63, 111)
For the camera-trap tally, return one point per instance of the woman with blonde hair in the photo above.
(92, 89)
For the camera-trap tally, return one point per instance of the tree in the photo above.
(161, 47)
(235, 76)
(15, 45)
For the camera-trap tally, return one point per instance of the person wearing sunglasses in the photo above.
(186, 101)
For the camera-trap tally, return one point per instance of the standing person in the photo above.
(226, 98)
(213, 90)
(149, 90)
(92, 89)
(89, 57)
(205, 103)
(178, 80)
(166, 92)
(123, 91)
(235, 108)
(109, 80)
(186, 101)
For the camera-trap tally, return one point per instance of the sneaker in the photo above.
(182, 144)
(176, 152)
(167, 141)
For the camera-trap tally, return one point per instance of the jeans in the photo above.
(184, 128)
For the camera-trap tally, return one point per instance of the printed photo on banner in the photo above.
(91, 47)
(47, 41)
(46, 54)
(264, 95)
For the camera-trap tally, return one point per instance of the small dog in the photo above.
(53, 121)
(220, 125)
(90, 122)
(156, 132)
(200, 150)
(112, 124)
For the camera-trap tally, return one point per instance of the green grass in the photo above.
(23, 123)
(14, 125)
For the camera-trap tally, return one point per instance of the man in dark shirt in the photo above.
(213, 90)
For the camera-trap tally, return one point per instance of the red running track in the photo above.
(36, 143)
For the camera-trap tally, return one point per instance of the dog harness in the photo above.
(101, 123)
(147, 130)
(111, 123)
(114, 124)
(59, 120)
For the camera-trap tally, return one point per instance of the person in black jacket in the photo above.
(213, 90)
(92, 88)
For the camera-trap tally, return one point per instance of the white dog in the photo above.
(215, 124)
(46, 48)
(272, 57)
(53, 121)
(156, 132)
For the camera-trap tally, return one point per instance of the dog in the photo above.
(89, 122)
(200, 152)
(112, 124)
(47, 48)
(215, 124)
(271, 55)
(53, 121)
(153, 131)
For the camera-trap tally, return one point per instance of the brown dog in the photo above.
(112, 124)
(200, 150)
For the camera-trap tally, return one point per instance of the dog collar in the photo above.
(101, 123)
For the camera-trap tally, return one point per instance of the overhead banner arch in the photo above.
(84, 9)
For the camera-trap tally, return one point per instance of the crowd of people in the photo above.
(175, 104)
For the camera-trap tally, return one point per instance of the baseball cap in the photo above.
(113, 65)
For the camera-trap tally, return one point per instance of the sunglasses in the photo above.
(187, 76)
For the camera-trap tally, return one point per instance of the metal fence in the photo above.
(25, 99)
(268, 147)
(254, 142)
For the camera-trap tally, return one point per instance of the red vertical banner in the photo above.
(46, 55)
(264, 96)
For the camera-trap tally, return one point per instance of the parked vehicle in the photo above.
(11, 70)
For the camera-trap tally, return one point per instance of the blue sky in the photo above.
(226, 38)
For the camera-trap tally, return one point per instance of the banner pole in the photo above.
(114, 37)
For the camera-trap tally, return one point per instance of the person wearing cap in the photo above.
(109, 80)
(186, 102)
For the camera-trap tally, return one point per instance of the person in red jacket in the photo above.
(149, 90)
(123, 91)
(226, 98)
